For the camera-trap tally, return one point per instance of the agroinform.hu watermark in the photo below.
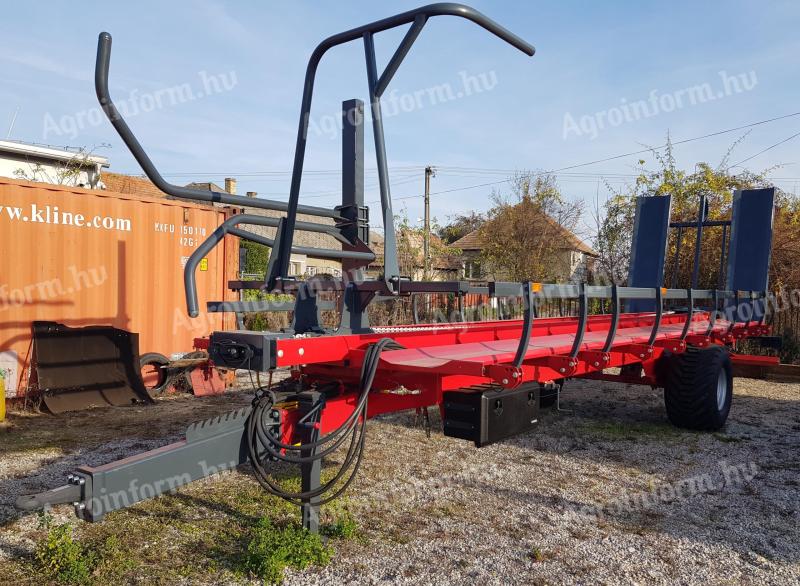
(657, 103)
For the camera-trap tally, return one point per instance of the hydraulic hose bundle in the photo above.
(264, 446)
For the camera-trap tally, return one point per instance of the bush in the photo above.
(63, 559)
(257, 257)
(271, 549)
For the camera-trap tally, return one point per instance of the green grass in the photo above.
(537, 555)
(342, 526)
(728, 439)
(616, 430)
(271, 549)
(63, 559)
(232, 532)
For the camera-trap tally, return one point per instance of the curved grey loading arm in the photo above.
(377, 84)
(229, 226)
(130, 140)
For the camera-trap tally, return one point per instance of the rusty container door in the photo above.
(92, 257)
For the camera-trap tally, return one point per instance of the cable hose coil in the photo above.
(263, 445)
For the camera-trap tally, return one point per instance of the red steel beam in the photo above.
(444, 357)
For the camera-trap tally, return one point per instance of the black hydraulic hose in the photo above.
(262, 442)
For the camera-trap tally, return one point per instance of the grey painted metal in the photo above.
(527, 323)
(292, 207)
(615, 310)
(751, 242)
(210, 447)
(569, 291)
(189, 271)
(354, 319)
(678, 242)
(133, 144)
(260, 306)
(736, 306)
(723, 257)
(659, 314)
(583, 318)
(689, 313)
(391, 268)
(712, 314)
(306, 317)
(310, 472)
(702, 212)
(400, 54)
(68, 493)
(648, 247)
(366, 32)
(353, 207)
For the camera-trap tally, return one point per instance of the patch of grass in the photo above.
(537, 555)
(343, 525)
(271, 549)
(60, 557)
(616, 430)
(728, 439)
(113, 560)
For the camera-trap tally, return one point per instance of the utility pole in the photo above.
(426, 247)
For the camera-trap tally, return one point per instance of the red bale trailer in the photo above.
(488, 378)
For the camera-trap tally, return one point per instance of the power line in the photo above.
(615, 157)
(769, 148)
(420, 167)
(320, 173)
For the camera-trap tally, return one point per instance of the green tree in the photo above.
(460, 225)
(528, 233)
(615, 218)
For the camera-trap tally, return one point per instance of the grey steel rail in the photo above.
(278, 269)
(527, 324)
(585, 292)
(615, 310)
(377, 85)
(118, 122)
(659, 314)
(229, 227)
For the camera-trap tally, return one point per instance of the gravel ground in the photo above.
(608, 493)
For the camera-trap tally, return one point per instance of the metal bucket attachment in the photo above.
(80, 368)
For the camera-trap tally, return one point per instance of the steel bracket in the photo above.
(699, 340)
(564, 365)
(640, 352)
(595, 359)
(505, 374)
(674, 346)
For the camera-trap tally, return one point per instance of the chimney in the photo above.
(252, 194)
(230, 185)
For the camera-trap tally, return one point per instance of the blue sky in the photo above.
(561, 107)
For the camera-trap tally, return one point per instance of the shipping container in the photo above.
(92, 257)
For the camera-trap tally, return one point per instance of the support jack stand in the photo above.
(559, 388)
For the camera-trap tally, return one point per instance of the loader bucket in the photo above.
(80, 368)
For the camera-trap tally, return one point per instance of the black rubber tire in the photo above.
(692, 382)
(158, 360)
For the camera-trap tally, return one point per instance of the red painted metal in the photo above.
(751, 360)
(443, 357)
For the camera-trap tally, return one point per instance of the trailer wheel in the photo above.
(698, 388)
(153, 375)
